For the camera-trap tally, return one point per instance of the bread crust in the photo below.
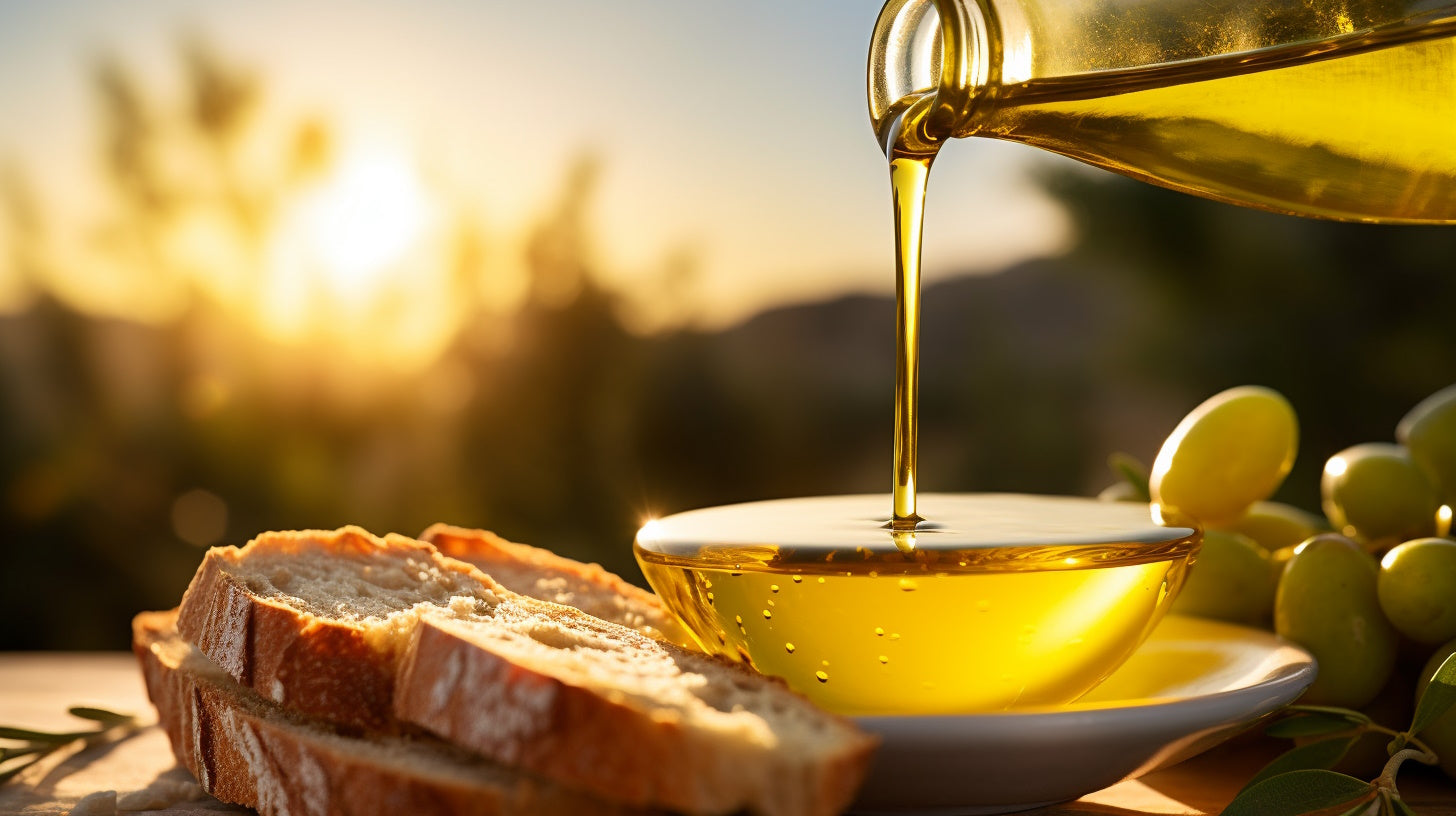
(458, 688)
(540, 573)
(313, 665)
(247, 751)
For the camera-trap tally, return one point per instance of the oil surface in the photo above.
(1009, 602)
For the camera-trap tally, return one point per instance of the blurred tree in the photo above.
(1350, 321)
(125, 446)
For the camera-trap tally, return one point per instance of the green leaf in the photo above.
(1348, 713)
(101, 715)
(1359, 809)
(1322, 754)
(6, 732)
(1296, 793)
(1440, 693)
(1311, 725)
(7, 754)
(1132, 471)
(1401, 808)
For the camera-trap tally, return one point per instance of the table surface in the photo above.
(36, 690)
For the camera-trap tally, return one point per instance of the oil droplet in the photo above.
(873, 574)
(907, 585)
(722, 636)
(738, 619)
(823, 678)
(960, 563)
(879, 632)
(789, 647)
(773, 587)
(884, 659)
(983, 605)
(894, 636)
(824, 663)
(707, 584)
(710, 597)
(798, 579)
(821, 579)
(767, 614)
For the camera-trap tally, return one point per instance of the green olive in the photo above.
(1231, 451)
(1429, 433)
(1275, 525)
(1441, 734)
(1375, 492)
(1417, 589)
(1233, 579)
(1327, 603)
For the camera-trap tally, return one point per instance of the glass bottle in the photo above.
(1342, 109)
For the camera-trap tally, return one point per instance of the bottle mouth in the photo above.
(932, 55)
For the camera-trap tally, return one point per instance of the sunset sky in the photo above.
(734, 132)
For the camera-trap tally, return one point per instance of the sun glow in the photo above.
(356, 262)
(364, 219)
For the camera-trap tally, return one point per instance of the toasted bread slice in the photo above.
(248, 751)
(539, 573)
(375, 633)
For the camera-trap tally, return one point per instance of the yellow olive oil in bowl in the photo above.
(1007, 601)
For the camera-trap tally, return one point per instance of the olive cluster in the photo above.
(1367, 586)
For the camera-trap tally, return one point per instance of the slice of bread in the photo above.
(543, 574)
(375, 633)
(248, 751)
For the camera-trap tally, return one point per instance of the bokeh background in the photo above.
(552, 269)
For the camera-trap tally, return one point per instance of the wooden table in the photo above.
(36, 690)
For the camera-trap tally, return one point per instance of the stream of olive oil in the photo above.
(1359, 127)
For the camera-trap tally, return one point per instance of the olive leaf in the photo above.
(1322, 754)
(1314, 724)
(100, 715)
(1438, 697)
(1296, 793)
(1131, 470)
(38, 744)
(1401, 808)
(49, 737)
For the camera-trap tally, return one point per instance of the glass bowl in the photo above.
(1002, 601)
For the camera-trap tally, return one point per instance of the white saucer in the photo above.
(1193, 684)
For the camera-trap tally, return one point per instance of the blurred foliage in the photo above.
(126, 446)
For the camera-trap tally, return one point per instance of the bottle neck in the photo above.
(928, 59)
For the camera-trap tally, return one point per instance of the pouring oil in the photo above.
(1358, 126)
